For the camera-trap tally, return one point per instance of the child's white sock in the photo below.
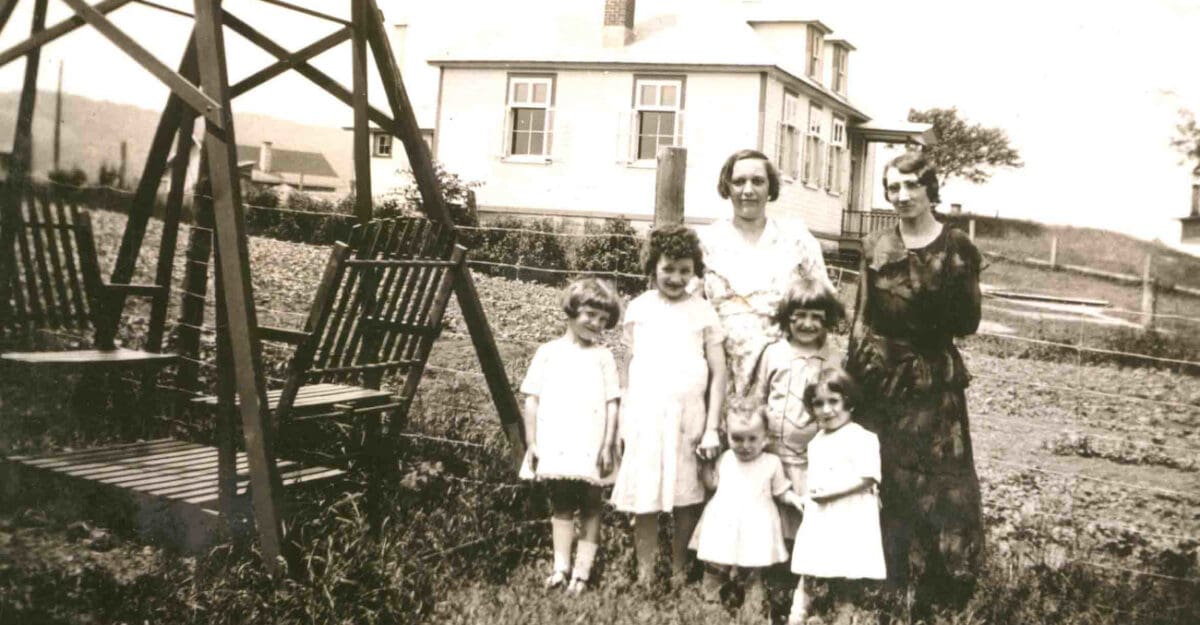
(585, 555)
(562, 531)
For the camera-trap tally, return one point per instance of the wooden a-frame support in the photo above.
(200, 88)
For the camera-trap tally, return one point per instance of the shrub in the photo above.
(457, 194)
(612, 245)
(532, 248)
(68, 183)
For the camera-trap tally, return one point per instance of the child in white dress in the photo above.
(741, 525)
(667, 424)
(572, 392)
(808, 311)
(840, 536)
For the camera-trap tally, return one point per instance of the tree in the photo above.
(1187, 141)
(966, 150)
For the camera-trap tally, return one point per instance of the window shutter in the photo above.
(506, 132)
(677, 140)
(780, 157)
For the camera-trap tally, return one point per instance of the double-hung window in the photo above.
(834, 171)
(814, 146)
(657, 116)
(381, 145)
(529, 121)
(791, 136)
(841, 58)
(816, 45)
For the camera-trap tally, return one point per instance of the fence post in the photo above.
(971, 229)
(1054, 252)
(668, 188)
(1149, 295)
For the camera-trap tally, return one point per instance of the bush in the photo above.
(457, 194)
(532, 248)
(612, 246)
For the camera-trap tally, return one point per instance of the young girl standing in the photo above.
(572, 390)
(840, 536)
(741, 526)
(667, 425)
(808, 311)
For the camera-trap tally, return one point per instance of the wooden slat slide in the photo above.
(50, 281)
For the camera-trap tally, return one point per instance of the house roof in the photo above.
(699, 33)
(289, 161)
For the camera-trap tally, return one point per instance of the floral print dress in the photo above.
(911, 305)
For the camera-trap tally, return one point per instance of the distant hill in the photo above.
(92, 132)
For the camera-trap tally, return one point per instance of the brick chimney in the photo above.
(264, 157)
(618, 23)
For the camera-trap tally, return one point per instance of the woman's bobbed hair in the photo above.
(672, 241)
(915, 162)
(724, 180)
(596, 293)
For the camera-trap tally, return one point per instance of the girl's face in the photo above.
(807, 327)
(747, 438)
(588, 324)
(672, 275)
(749, 189)
(829, 407)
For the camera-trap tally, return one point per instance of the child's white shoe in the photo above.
(556, 579)
(577, 586)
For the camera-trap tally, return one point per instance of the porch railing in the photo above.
(856, 223)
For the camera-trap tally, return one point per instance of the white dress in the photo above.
(740, 525)
(573, 384)
(663, 411)
(841, 538)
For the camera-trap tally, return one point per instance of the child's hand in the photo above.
(710, 445)
(604, 461)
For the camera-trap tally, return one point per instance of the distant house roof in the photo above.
(698, 33)
(288, 161)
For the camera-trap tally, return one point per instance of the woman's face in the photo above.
(907, 194)
(749, 189)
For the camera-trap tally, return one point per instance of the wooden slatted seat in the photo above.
(376, 313)
(50, 281)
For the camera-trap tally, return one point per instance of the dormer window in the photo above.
(816, 45)
(840, 56)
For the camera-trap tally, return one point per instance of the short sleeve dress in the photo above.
(745, 282)
(573, 384)
(740, 525)
(841, 538)
(912, 303)
(663, 410)
(783, 372)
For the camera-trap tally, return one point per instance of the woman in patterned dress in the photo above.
(751, 259)
(919, 288)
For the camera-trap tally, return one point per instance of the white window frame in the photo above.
(791, 137)
(841, 58)
(835, 167)
(816, 49)
(514, 104)
(658, 105)
(814, 146)
(382, 145)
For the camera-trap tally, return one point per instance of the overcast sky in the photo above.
(1088, 92)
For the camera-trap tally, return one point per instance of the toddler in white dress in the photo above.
(741, 525)
(572, 392)
(840, 535)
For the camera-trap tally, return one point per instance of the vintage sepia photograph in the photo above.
(534, 312)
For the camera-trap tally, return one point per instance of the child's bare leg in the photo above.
(685, 519)
(756, 593)
(562, 533)
(585, 553)
(714, 578)
(799, 604)
(645, 534)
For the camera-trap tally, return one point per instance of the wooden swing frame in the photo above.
(200, 88)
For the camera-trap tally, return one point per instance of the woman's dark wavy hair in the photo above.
(596, 293)
(809, 293)
(726, 175)
(837, 381)
(672, 241)
(915, 162)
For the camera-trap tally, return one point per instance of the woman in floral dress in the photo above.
(919, 288)
(751, 259)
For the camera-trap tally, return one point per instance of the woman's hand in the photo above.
(710, 445)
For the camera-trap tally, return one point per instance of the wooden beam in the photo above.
(241, 337)
(43, 37)
(312, 50)
(299, 9)
(362, 131)
(419, 159)
(6, 10)
(668, 185)
(144, 197)
(170, 232)
(194, 97)
(319, 78)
